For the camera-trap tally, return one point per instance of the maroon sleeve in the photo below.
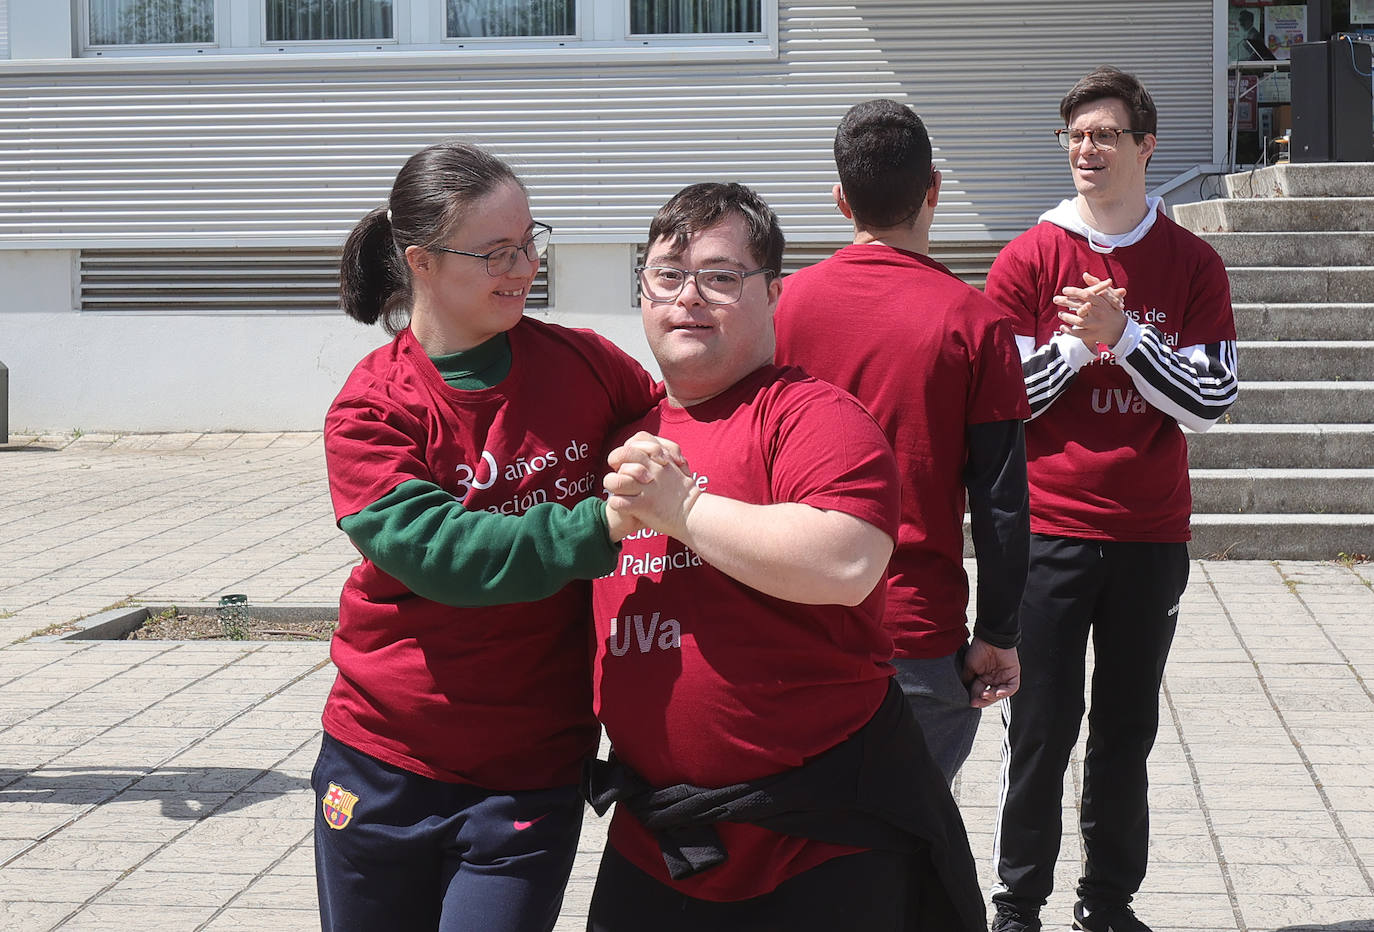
(828, 452)
(1015, 288)
(631, 389)
(1208, 317)
(998, 389)
(370, 448)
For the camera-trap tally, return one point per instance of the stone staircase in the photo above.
(1289, 472)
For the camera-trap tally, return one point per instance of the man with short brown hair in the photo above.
(936, 363)
(767, 772)
(1124, 323)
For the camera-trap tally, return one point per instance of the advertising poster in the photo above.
(1361, 11)
(1245, 115)
(1284, 27)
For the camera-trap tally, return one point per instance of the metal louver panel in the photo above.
(108, 155)
(240, 281)
(969, 261)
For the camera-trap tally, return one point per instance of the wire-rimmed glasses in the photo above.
(662, 283)
(502, 260)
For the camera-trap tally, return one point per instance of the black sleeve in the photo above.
(999, 512)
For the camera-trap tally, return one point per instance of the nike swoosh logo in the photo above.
(521, 826)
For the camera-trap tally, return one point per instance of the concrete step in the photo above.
(1308, 361)
(1304, 321)
(1303, 403)
(1325, 179)
(1288, 285)
(1283, 446)
(1280, 215)
(1281, 537)
(1288, 249)
(1283, 491)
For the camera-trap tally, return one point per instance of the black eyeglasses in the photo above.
(661, 283)
(1104, 138)
(500, 261)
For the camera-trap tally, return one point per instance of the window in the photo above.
(171, 27)
(488, 18)
(469, 19)
(696, 17)
(318, 20)
(151, 22)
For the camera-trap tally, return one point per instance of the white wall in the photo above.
(40, 29)
(160, 372)
(215, 372)
(593, 289)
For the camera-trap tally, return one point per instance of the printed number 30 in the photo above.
(467, 476)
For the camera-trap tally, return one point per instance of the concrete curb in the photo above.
(117, 623)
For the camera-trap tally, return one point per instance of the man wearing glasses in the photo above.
(1124, 323)
(935, 362)
(768, 773)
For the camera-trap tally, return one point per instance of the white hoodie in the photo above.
(1066, 215)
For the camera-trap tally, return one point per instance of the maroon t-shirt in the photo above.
(928, 355)
(701, 679)
(495, 696)
(1103, 464)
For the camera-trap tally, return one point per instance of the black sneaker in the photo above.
(1106, 919)
(1008, 920)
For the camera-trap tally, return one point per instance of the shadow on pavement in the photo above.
(183, 792)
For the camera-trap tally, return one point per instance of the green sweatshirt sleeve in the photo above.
(440, 550)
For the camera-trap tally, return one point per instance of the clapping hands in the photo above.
(1095, 314)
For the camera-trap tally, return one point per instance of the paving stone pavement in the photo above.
(162, 785)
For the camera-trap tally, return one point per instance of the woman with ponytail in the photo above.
(464, 464)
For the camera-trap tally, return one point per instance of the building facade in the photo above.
(176, 176)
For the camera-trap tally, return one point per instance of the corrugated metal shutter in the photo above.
(244, 280)
(969, 261)
(100, 156)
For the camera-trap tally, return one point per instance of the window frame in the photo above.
(420, 26)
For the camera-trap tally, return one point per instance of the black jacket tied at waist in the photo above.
(877, 789)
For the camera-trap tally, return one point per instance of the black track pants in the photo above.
(1126, 596)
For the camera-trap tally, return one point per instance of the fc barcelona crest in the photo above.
(338, 806)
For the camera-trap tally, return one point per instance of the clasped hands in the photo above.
(1095, 314)
(651, 487)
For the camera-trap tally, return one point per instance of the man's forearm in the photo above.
(1050, 369)
(789, 550)
(1194, 385)
(999, 514)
